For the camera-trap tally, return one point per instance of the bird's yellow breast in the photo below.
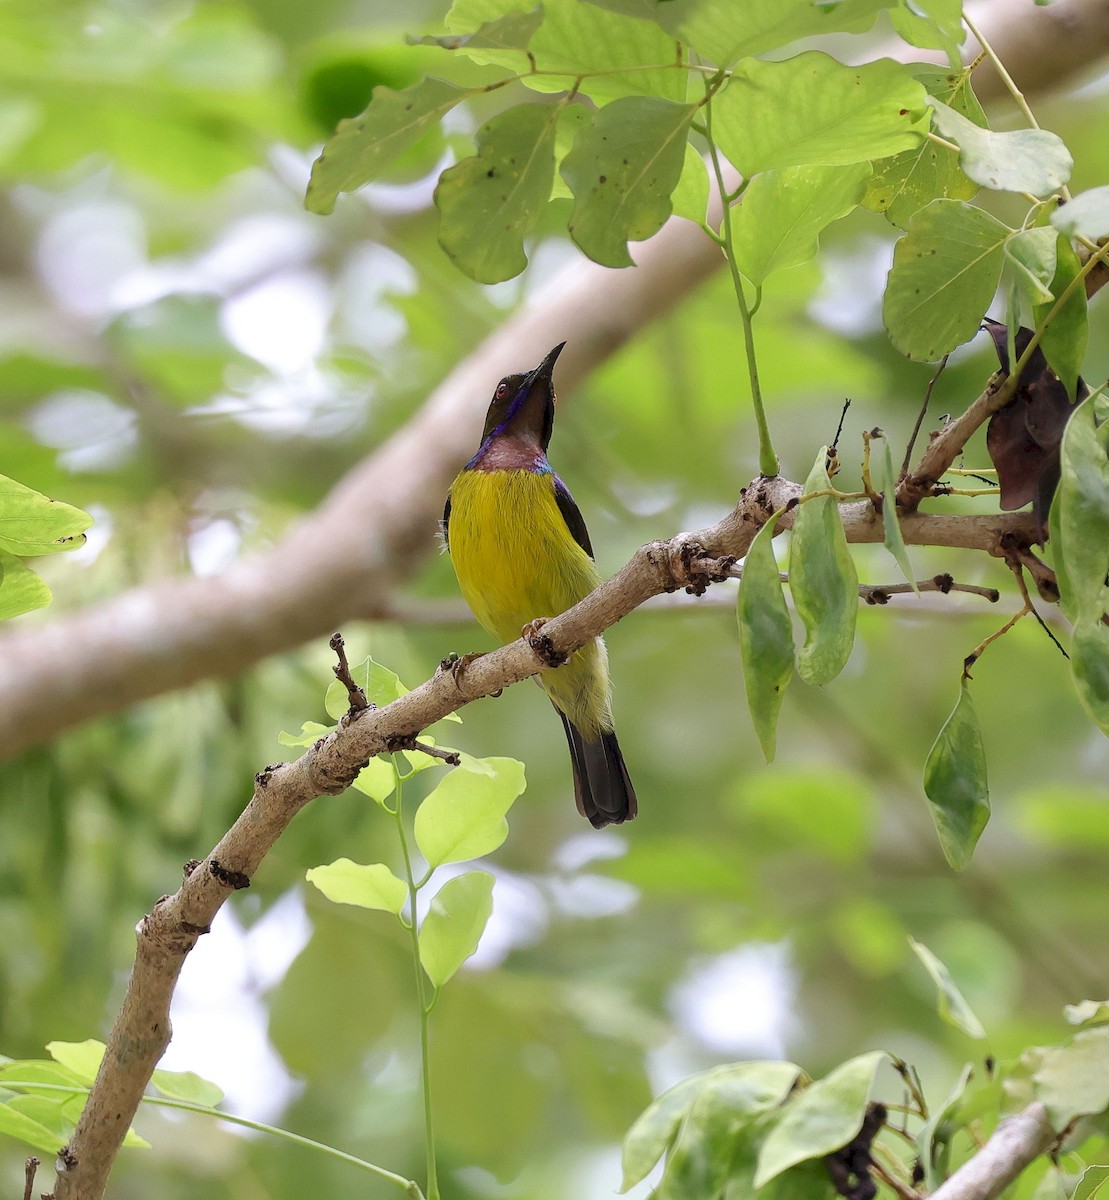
(512, 551)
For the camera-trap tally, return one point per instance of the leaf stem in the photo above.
(768, 459)
(422, 1002)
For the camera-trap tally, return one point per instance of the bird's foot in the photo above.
(455, 665)
(542, 645)
(693, 568)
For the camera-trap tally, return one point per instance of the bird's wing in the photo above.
(571, 514)
(445, 524)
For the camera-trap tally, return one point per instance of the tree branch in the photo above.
(1016, 1143)
(169, 932)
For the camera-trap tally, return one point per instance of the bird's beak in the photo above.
(545, 370)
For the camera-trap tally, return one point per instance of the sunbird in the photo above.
(522, 554)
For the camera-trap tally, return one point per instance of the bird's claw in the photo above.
(455, 665)
(544, 648)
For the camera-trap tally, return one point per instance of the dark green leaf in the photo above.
(953, 1007)
(823, 581)
(513, 31)
(784, 212)
(453, 927)
(1023, 160)
(489, 203)
(945, 273)
(364, 146)
(820, 1119)
(904, 183)
(1064, 339)
(813, 110)
(955, 782)
(621, 170)
(765, 638)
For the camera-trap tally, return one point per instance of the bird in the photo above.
(522, 554)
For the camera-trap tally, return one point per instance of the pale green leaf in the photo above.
(1082, 504)
(885, 483)
(1073, 1079)
(1022, 160)
(936, 1134)
(621, 170)
(955, 782)
(783, 213)
(82, 1058)
(453, 927)
(21, 590)
(813, 110)
(490, 202)
(691, 197)
(363, 147)
(188, 1086)
(904, 183)
(365, 886)
(27, 1130)
(765, 638)
(1087, 215)
(513, 31)
(823, 581)
(945, 273)
(381, 686)
(1087, 1012)
(310, 734)
(820, 1119)
(464, 817)
(377, 779)
(1031, 255)
(953, 1007)
(931, 24)
(655, 1129)
(31, 524)
(1090, 664)
(1092, 1181)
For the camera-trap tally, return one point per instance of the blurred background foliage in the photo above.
(193, 358)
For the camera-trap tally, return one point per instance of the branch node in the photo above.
(235, 880)
(355, 694)
(190, 867)
(408, 741)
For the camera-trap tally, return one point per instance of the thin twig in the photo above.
(356, 696)
(891, 1180)
(879, 593)
(920, 416)
(407, 741)
(1018, 573)
(978, 650)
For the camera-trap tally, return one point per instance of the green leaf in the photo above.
(26, 1129)
(463, 817)
(885, 482)
(373, 886)
(691, 197)
(31, 524)
(813, 110)
(1090, 665)
(188, 1086)
(953, 1007)
(1087, 1012)
(783, 213)
(363, 147)
(765, 638)
(955, 782)
(310, 733)
(737, 1091)
(945, 273)
(1023, 160)
(1064, 339)
(513, 31)
(377, 779)
(21, 590)
(579, 39)
(453, 927)
(1031, 255)
(489, 203)
(932, 24)
(381, 686)
(820, 1119)
(935, 1136)
(823, 581)
(1087, 215)
(1082, 501)
(1092, 1181)
(82, 1058)
(621, 170)
(1073, 1079)
(904, 183)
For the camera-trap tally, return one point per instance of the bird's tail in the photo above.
(602, 789)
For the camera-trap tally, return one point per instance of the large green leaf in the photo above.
(512, 31)
(1064, 339)
(904, 183)
(955, 782)
(490, 202)
(1073, 1079)
(823, 581)
(453, 927)
(811, 109)
(464, 817)
(364, 146)
(32, 524)
(21, 590)
(765, 638)
(784, 212)
(1022, 160)
(621, 170)
(26, 1129)
(366, 886)
(822, 1118)
(945, 273)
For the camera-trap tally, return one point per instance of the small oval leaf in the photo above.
(955, 782)
(953, 1007)
(463, 817)
(366, 886)
(453, 927)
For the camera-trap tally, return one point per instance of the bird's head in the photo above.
(524, 404)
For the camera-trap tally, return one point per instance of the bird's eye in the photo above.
(502, 390)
